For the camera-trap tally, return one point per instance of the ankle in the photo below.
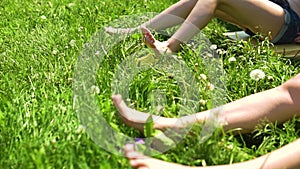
(173, 45)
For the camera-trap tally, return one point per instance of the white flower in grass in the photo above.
(221, 51)
(54, 52)
(203, 76)
(95, 89)
(271, 78)
(232, 59)
(210, 86)
(97, 53)
(53, 141)
(43, 17)
(70, 5)
(202, 102)
(213, 47)
(257, 74)
(80, 129)
(209, 55)
(72, 42)
(80, 29)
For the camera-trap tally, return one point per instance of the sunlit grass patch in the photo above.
(40, 42)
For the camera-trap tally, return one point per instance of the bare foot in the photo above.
(158, 47)
(139, 161)
(138, 119)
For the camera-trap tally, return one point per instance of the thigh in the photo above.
(260, 16)
(221, 15)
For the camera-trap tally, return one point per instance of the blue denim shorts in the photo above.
(291, 27)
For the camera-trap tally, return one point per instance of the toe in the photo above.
(117, 99)
(148, 38)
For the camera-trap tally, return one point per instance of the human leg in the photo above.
(137, 120)
(266, 17)
(284, 157)
(171, 16)
(139, 161)
(277, 104)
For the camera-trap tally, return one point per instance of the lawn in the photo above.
(42, 125)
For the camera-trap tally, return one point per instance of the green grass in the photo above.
(40, 42)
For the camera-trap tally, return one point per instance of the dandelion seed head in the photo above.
(257, 74)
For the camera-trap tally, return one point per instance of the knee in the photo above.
(293, 84)
(293, 87)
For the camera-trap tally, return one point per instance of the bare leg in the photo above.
(265, 17)
(157, 46)
(140, 161)
(277, 104)
(225, 17)
(138, 119)
(171, 16)
(285, 157)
